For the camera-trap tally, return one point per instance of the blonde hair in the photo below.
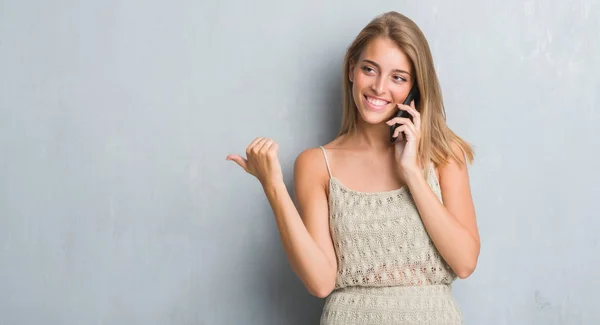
(436, 136)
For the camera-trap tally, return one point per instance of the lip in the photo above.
(374, 107)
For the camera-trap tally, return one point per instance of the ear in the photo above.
(351, 71)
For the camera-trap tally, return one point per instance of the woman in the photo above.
(381, 229)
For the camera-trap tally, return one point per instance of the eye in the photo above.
(399, 79)
(368, 69)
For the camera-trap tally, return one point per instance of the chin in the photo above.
(373, 119)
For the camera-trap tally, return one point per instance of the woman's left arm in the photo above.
(451, 225)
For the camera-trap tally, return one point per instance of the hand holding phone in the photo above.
(413, 94)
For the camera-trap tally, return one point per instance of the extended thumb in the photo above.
(239, 160)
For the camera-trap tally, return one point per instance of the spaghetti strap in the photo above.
(326, 160)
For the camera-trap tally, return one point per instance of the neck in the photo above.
(373, 136)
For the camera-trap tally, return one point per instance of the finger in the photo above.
(416, 115)
(411, 109)
(399, 132)
(258, 146)
(239, 160)
(266, 145)
(409, 133)
(398, 120)
(402, 121)
(412, 104)
(251, 146)
(411, 127)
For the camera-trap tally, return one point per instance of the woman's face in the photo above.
(381, 79)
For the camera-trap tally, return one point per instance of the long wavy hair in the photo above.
(436, 136)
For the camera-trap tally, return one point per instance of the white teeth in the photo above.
(377, 102)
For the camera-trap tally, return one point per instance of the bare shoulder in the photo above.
(310, 172)
(307, 157)
(312, 162)
(455, 164)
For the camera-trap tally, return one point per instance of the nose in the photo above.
(378, 85)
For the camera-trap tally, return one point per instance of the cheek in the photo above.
(399, 93)
(361, 81)
(357, 87)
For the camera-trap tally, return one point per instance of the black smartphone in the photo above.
(413, 94)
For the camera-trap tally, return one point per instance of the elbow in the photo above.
(321, 290)
(322, 285)
(468, 265)
(464, 273)
(466, 270)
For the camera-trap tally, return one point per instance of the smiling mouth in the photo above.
(375, 102)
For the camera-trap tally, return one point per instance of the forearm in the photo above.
(456, 244)
(306, 257)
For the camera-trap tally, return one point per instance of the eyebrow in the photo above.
(378, 67)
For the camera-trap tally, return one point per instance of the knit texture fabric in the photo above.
(389, 271)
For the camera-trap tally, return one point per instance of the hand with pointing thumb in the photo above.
(262, 161)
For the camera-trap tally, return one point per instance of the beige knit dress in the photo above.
(389, 271)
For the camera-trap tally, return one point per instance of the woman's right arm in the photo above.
(305, 230)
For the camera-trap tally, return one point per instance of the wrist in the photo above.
(273, 187)
(413, 176)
